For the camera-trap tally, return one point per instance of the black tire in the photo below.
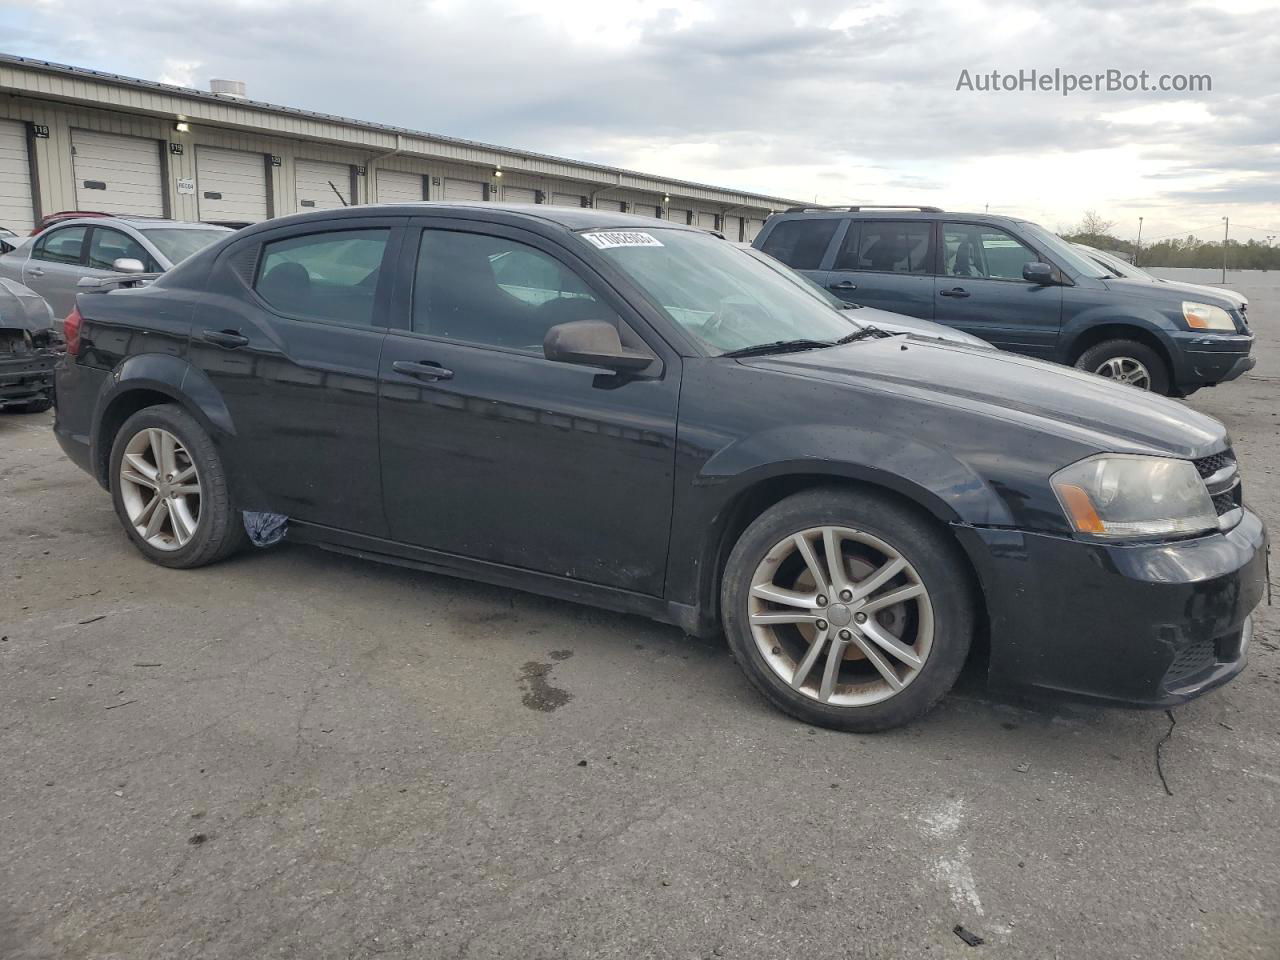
(219, 530)
(1097, 355)
(31, 406)
(936, 559)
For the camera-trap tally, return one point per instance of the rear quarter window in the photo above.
(800, 244)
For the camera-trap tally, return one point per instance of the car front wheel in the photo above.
(847, 610)
(170, 490)
(1128, 362)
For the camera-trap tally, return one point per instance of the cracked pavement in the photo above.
(296, 754)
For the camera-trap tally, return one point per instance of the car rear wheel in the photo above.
(847, 610)
(1127, 362)
(170, 489)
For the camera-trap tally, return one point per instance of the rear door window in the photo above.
(888, 246)
(60, 246)
(331, 277)
(800, 244)
(979, 251)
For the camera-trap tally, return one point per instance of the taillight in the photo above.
(71, 331)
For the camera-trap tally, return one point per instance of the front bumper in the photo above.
(27, 376)
(1147, 625)
(1203, 360)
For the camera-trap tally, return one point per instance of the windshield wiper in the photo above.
(867, 331)
(777, 346)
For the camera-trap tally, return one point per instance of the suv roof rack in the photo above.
(869, 206)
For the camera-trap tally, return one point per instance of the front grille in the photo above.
(1195, 658)
(1224, 503)
(1208, 466)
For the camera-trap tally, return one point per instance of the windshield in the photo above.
(1068, 256)
(725, 300)
(177, 243)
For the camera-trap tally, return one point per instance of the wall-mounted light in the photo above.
(666, 200)
(497, 171)
(182, 126)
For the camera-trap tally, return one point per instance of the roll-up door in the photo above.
(395, 186)
(733, 228)
(753, 228)
(706, 220)
(519, 195)
(116, 174)
(609, 205)
(463, 189)
(566, 200)
(15, 177)
(231, 185)
(678, 215)
(319, 183)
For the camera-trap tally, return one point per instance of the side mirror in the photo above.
(592, 343)
(1040, 273)
(128, 265)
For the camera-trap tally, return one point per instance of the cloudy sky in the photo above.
(838, 101)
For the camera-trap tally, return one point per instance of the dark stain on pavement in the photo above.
(539, 694)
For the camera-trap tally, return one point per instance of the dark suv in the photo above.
(1020, 287)
(629, 413)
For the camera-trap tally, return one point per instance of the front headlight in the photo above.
(1118, 495)
(1204, 316)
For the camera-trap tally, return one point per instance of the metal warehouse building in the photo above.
(77, 139)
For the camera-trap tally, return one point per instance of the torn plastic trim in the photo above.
(265, 529)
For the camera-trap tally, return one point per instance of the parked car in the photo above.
(865, 316)
(1021, 288)
(53, 262)
(49, 219)
(1123, 269)
(631, 413)
(29, 347)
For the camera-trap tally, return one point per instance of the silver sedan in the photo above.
(53, 262)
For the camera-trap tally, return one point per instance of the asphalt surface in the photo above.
(295, 754)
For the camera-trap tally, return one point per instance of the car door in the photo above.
(492, 452)
(980, 290)
(289, 336)
(887, 264)
(56, 265)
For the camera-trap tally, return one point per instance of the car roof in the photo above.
(570, 218)
(890, 213)
(137, 223)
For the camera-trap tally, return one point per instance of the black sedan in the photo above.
(632, 414)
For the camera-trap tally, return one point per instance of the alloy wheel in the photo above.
(160, 487)
(1126, 370)
(840, 616)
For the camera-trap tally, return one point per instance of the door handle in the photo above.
(844, 285)
(225, 338)
(423, 371)
(958, 292)
(36, 272)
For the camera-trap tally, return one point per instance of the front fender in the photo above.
(1143, 317)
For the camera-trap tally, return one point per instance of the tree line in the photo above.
(1188, 251)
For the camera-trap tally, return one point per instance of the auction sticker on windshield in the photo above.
(609, 239)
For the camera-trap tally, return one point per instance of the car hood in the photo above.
(1058, 400)
(899, 323)
(1174, 292)
(1202, 290)
(23, 308)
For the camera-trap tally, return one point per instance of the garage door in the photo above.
(706, 220)
(116, 174)
(397, 187)
(733, 228)
(231, 185)
(753, 228)
(312, 179)
(15, 177)
(463, 189)
(519, 195)
(609, 205)
(678, 215)
(566, 200)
